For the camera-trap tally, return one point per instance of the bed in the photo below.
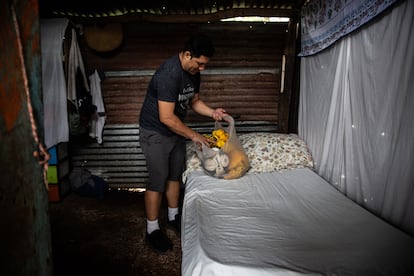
(281, 218)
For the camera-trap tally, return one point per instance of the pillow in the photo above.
(267, 152)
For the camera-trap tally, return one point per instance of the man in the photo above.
(174, 87)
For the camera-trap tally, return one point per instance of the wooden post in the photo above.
(25, 240)
(285, 95)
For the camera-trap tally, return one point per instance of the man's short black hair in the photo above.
(199, 45)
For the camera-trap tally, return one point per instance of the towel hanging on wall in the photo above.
(53, 81)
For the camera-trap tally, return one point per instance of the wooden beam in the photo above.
(286, 94)
(25, 232)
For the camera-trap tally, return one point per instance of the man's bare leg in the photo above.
(152, 204)
(172, 193)
(173, 196)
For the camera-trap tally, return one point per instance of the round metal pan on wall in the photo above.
(103, 37)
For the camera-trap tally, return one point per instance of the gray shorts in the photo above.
(165, 158)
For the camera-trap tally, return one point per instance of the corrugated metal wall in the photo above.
(243, 76)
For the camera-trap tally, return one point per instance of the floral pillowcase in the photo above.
(267, 152)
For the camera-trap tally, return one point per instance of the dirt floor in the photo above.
(107, 237)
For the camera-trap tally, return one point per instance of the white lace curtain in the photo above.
(357, 114)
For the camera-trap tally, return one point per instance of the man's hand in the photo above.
(200, 139)
(218, 114)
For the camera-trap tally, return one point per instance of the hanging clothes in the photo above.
(55, 122)
(75, 65)
(78, 94)
(97, 122)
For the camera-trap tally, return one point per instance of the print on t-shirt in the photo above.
(185, 96)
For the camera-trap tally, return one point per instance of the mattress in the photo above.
(288, 222)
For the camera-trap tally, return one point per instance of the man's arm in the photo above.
(201, 108)
(168, 118)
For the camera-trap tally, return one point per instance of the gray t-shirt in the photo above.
(170, 83)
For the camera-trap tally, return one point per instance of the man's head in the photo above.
(199, 45)
(196, 53)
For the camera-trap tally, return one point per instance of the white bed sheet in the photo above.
(285, 223)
